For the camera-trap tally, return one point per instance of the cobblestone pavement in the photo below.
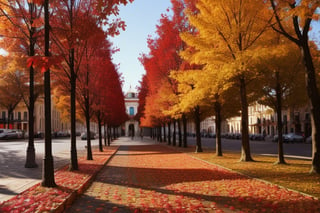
(148, 177)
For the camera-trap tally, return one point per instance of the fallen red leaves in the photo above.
(42, 199)
(155, 179)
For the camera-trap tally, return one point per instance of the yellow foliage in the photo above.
(226, 44)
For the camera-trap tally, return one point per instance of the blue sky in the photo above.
(141, 18)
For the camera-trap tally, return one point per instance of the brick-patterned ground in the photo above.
(69, 185)
(155, 178)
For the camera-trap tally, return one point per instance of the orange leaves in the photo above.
(36, 1)
(37, 23)
(42, 62)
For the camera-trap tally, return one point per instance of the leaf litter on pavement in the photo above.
(159, 179)
(44, 199)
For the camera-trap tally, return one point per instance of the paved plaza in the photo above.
(145, 176)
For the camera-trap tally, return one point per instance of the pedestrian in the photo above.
(141, 134)
(132, 134)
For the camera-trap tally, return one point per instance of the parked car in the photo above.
(204, 134)
(289, 138)
(257, 137)
(39, 134)
(10, 134)
(309, 139)
(212, 135)
(292, 137)
(62, 134)
(275, 138)
(84, 135)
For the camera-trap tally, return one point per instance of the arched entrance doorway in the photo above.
(131, 130)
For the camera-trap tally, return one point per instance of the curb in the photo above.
(254, 178)
(62, 195)
(76, 193)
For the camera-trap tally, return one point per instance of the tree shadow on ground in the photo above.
(6, 191)
(209, 203)
(12, 165)
(159, 177)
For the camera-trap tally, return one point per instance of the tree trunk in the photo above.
(73, 78)
(87, 108)
(105, 134)
(245, 149)
(184, 121)
(160, 134)
(89, 150)
(279, 121)
(48, 168)
(100, 132)
(109, 135)
(197, 124)
(169, 133)
(179, 133)
(314, 98)
(31, 154)
(217, 107)
(164, 133)
(74, 158)
(174, 140)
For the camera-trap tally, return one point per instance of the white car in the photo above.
(10, 134)
(293, 137)
(84, 135)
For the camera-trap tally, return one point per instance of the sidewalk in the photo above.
(15, 178)
(151, 177)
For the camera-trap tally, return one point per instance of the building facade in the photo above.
(131, 127)
(20, 118)
(262, 120)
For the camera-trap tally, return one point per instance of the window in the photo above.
(3, 114)
(19, 116)
(307, 115)
(131, 111)
(285, 119)
(25, 116)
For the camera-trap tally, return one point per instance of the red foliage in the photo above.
(143, 92)
(164, 57)
(44, 63)
(41, 199)
(157, 179)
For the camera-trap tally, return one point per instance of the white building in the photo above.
(21, 116)
(131, 101)
(262, 120)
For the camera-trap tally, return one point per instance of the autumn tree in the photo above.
(142, 94)
(228, 32)
(9, 94)
(111, 105)
(21, 23)
(281, 79)
(293, 20)
(70, 31)
(162, 58)
(95, 47)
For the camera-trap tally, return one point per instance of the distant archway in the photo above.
(131, 130)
